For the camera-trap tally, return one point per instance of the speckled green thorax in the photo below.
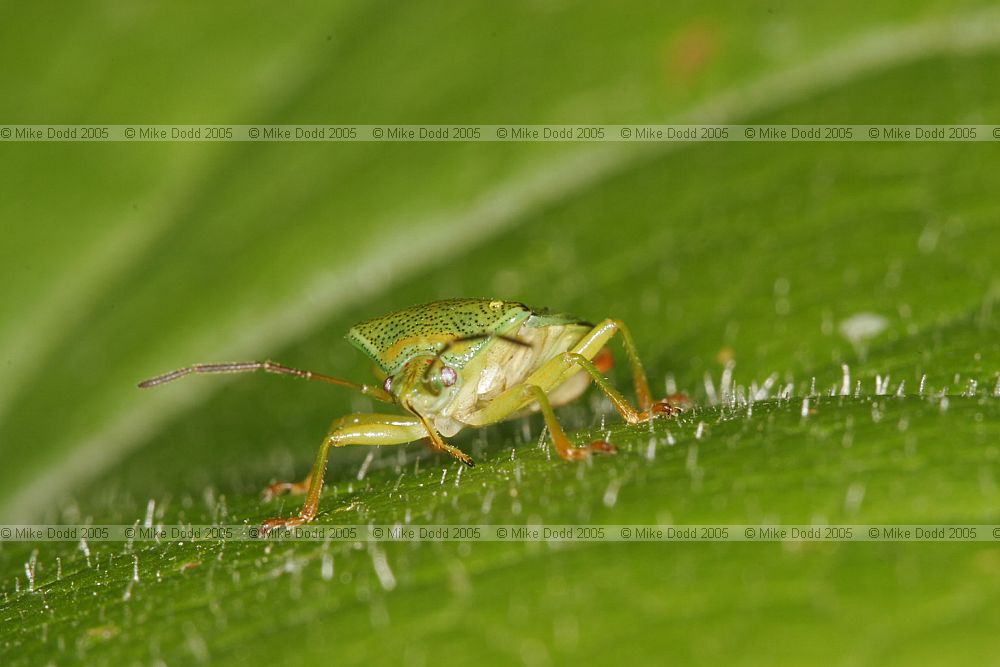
(394, 339)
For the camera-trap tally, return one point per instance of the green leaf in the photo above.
(799, 263)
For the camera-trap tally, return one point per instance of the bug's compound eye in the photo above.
(387, 385)
(448, 376)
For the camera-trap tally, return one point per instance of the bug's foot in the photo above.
(583, 453)
(681, 401)
(281, 488)
(665, 407)
(280, 522)
(464, 458)
(602, 447)
(454, 451)
(670, 406)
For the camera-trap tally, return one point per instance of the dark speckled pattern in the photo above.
(394, 339)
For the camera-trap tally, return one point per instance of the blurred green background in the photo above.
(119, 261)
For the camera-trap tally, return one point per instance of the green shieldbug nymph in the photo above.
(463, 363)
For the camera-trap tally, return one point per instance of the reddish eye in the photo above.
(387, 385)
(448, 376)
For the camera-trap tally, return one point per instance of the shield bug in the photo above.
(463, 363)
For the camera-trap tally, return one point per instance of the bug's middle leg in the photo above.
(564, 447)
(361, 429)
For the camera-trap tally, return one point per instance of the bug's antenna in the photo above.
(267, 367)
(464, 339)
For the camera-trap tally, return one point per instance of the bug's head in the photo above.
(426, 383)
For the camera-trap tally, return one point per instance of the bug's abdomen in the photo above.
(510, 365)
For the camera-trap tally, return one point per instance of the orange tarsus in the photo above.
(679, 400)
(281, 488)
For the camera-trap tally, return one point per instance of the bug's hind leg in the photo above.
(564, 447)
(648, 407)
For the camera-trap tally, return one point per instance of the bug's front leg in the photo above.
(361, 429)
(439, 444)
